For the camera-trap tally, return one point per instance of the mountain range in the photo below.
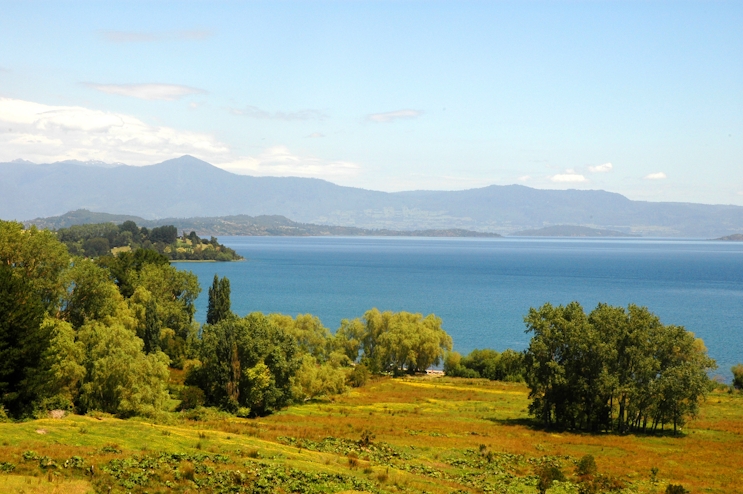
(188, 187)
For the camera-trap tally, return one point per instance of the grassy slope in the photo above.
(430, 435)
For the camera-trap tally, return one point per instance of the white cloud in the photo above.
(168, 92)
(45, 133)
(255, 112)
(150, 37)
(279, 161)
(656, 176)
(568, 177)
(315, 135)
(524, 178)
(605, 168)
(391, 116)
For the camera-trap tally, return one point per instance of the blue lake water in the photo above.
(482, 288)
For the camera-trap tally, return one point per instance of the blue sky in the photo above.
(642, 98)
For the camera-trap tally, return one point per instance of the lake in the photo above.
(483, 288)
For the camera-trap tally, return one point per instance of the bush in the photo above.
(738, 376)
(676, 489)
(359, 376)
(586, 466)
(191, 397)
(548, 474)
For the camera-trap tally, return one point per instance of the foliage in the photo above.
(100, 239)
(219, 300)
(191, 397)
(312, 337)
(313, 379)
(246, 362)
(487, 363)
(22, 340)
(394, 342)
(36, 256)
(676, 489)
(614, 369)
(737, 371)
(119, 377)
(359, 376)
(546, 475)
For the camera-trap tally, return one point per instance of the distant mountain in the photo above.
(242, 225)
(188, 187)
(738, 237)
(570, 231)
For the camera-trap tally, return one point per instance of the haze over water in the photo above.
(482, 288)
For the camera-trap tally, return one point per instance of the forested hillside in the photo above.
(100, 239)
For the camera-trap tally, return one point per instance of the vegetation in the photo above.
(242, 224)
(114, 336)
(101, 239)
(435, 435)
(613, 369)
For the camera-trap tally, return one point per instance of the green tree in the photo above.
(737, 371)
(119, 377)
(22, 340)
(219, 300)
(37, 256)
(152, 328)
(312, 337)
(246, 363)
(615, 369)
(394, 341)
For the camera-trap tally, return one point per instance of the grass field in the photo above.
(436, 435)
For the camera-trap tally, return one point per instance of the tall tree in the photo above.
(219, 300)
(21, 340)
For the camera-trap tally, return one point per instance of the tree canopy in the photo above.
(613, 369)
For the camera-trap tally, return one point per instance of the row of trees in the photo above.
(99, 334)
(255, 364)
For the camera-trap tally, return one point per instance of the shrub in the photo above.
(191, 397)
(586, 466)
(738, 376)
(548, 474)
(676, 489)
(359, 376)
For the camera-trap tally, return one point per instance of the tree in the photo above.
(167, 234)
(737, 371)
(394, 341)
(119, 377)
(246, 363)
(312, 337)
(219, 300)
(37, 256)
(614, 369)
(152, 328)
(22, 340)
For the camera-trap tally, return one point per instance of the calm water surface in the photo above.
(482, 288)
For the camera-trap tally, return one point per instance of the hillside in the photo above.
(438, 435)
(242, 225)
(570, 231)
(738, 237)
(188, 187)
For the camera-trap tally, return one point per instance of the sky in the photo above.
(642, 98)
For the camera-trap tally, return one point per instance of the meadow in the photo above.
(413, 434)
